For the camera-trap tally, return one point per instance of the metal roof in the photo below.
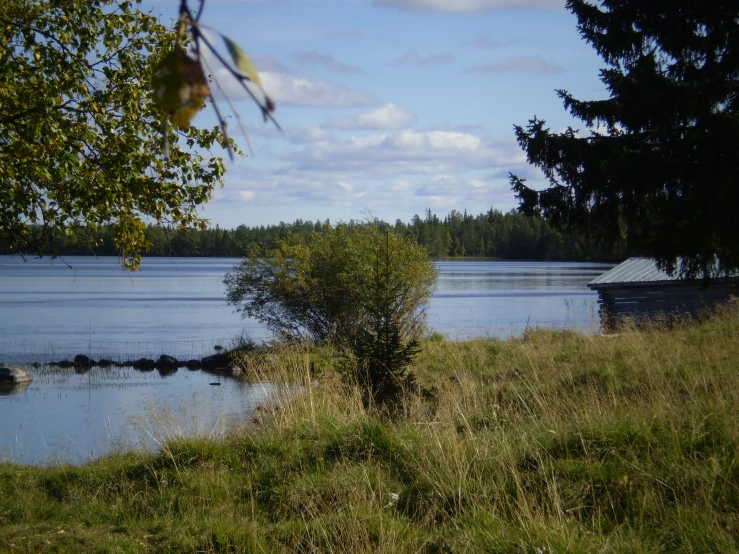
(633, 270)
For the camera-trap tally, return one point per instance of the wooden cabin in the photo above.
(636, 289)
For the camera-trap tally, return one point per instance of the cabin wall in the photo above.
(649, 301)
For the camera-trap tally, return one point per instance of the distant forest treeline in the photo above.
(493, 234)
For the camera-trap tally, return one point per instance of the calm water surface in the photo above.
(51, 310)
(502, 299)
(54, 310)
(67, 417)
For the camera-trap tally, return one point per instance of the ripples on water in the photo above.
(502, 299)
(177, 307)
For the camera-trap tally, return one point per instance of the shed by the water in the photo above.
(637, 289)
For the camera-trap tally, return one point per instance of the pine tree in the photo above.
(382, 347)
(660, 166)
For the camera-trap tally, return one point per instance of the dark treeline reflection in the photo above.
(489, 235)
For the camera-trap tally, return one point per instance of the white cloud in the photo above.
(442, 202)
(294, 90)
(234, 195)
(414, 58)
(299, 91)
(451, 191)
(450, 185)
(300, 190)
(387, 117)
(406, 152)
(520, 64)
(293, 134)
(470, 6)
(327, 61)
(386, 172)
(461, 127)
(244, 195)
(400, 185)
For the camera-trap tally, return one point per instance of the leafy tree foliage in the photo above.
(659, 167)
(80, 139)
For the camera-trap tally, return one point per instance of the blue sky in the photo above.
(390, 107)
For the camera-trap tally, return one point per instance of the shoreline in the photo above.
(559, 441)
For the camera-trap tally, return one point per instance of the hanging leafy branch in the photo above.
(180, 83)
(81, 124)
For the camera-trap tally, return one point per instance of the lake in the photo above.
(55, 310)
(64, 416)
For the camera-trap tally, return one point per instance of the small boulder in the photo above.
(65, 364)
(193, 364)
(14, 376)
(82, 361)
(216, 360)
(167, 363)
(105, 363)
(144, 364)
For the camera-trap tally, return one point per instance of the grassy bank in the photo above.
(558, 442)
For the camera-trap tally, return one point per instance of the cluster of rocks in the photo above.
(218, 363)
(15, 379)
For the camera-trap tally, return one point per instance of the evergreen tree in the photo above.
(659, 168)
(383, 346)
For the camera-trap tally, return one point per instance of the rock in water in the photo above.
(82, 361)
(167, 363)
(14, 376)
(144, 364)
(216, 360)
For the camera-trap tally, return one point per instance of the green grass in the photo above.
(557, 442)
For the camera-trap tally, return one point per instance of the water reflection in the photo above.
(8, 389)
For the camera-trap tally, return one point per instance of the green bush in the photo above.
(363, 287)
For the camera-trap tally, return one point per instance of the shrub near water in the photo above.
(362, 287)
(557, 442)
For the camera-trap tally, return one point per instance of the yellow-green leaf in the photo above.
(180, 87)
(242, 61)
